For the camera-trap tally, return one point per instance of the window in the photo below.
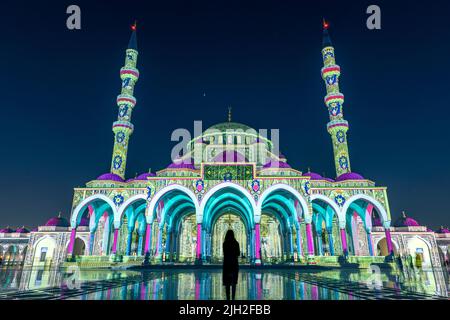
(43, 254)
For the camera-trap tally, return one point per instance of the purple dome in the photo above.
(405, 221)
(22, 230)
(313, 176)
(180, 164)
(376, 222)
(229, 156)
(328, 179)
(110, 176)
(276, 164)
(6, 230)
(443, 230)
(281, 156)
(84, 222)
(350, 176)
(58, 221)
(429, 230)
(34, 229)
(143, 176)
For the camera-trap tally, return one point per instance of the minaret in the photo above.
(337, 127)
(123, 128)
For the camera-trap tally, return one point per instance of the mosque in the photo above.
(231, 177)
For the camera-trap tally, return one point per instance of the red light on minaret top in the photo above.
(325, 24)
(134, 26)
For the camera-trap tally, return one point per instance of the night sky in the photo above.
(197, 57)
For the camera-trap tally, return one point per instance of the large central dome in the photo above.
(224, 126)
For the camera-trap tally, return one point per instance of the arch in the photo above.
(281, 186)
(420, 243)
(374, 202)
(382, 245)
(79, 247)
(225, 185)
(154, 201)
(75, 217)
(340, 214)
(119, 213)
(44, 250)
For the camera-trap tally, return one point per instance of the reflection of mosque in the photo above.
(230, 177)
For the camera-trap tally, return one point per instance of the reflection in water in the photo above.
(207, 284)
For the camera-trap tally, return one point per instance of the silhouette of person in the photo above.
(230, 272)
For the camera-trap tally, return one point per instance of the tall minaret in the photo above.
(337, 127)
(123, 128)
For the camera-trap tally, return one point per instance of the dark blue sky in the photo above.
(59, 88)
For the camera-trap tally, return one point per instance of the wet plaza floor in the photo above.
(205, 284)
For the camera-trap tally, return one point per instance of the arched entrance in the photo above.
(79, 247)
(382, 248)
(271, 239)
(229, 221)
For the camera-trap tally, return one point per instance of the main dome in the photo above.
(224, 126)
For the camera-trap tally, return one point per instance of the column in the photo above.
(129, 239)
(159, 242)
(344, 242)
(168, 244)
(72, 241)
(387, 232)
(141, 240)
(330, 241)
(91, 242)
(309, 238)
(370, 243)
(291, 244)
(114, 246)
(199, 241)
(257, 244)
(299, 243)
(319, 242)
(148, 238)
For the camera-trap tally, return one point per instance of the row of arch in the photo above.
(155, 227)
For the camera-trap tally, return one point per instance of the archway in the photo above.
(79, 247)
(382, 247)
(186, 231)
(327, 220)
(272, 246)
(44, 251)
(235, 203)
(419, 249)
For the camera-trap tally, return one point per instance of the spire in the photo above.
(403, 214)
(326, 40)
(229, 114)
(132, 44)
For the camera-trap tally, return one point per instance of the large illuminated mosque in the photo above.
(231, 177)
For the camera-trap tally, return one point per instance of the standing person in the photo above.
(230, 273)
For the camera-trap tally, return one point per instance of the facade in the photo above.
(231, 177)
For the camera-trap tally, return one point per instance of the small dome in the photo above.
(22, 230)
(143, 176)
(276, 164)
(313, 176)
(84, 222)
(182, 164)
(405, 221)
(350, 176)
(443, 230)
(328, 179)
(58, 221)
(229, 156)
(377, 222)
(6, 230)
(110, 176)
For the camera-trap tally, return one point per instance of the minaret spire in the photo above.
(123, 128)
(337, 127)
(229, 114)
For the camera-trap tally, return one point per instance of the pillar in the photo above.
(168, 244)
(257, 244)
(199, 241)
(370, 243)
(291, 244)
(309, 239)
(319, 243)
(330, 241)
(114, 246)
(299, 242)
(344, 242)
(148, 238)
(159, 242)
(129, 240)
(91, 242)
(387, 232)
(141, 240)
(72, 241)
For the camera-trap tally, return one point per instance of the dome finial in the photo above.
(149, 170)
(229, 114)
(309, 169)
(403, 214)
(59, 214)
